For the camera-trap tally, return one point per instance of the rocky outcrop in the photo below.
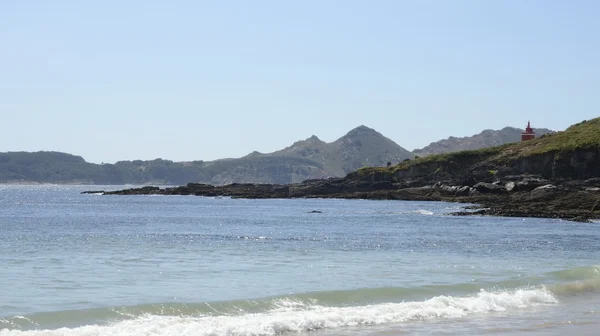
(523, 196)
(556, 176)
(472, 168)
(489, 188)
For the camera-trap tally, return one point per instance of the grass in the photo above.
(455, 157)
(369, 170)
(584, 135)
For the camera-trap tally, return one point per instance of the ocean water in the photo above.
(73, 264)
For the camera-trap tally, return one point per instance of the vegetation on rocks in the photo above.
(485, 139)
(582, 136)
(549, 150)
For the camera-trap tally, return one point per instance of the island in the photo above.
(552, 176)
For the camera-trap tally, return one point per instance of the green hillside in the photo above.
(573, 153)
(484, 139)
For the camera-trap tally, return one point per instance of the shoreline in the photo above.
(74, 183)
(530, 197)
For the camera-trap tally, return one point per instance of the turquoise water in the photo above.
(77, 264)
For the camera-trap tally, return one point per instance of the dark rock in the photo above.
(468, 181)
(536, 164)
(473, 192)
(528, 184)
(581, 219)
(594, 182)
(149, 190)
(489, 188)
(463, 191)
(549, 200)
(315, 211)
(543, 191)
(443, 187)
(449, 189)
(513, 178)
(504, 171)
(93, 192)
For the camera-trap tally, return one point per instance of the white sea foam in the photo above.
(292, 316)
(424, 212)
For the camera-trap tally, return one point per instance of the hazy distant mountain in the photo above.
(312, 158)
(487, 138)
(306, 159)
(362, 146)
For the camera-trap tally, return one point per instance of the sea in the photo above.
(75, 264)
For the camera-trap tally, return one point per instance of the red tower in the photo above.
(529, 134)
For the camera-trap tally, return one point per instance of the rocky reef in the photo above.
(554, 176)
(525, 196)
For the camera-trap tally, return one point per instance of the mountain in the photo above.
(485, 139)
(362, 146)
(306, 159)
(311, 158)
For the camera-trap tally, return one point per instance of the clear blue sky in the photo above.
(182, 80)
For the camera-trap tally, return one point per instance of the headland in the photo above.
(553, 176)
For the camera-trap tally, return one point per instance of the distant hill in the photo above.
(362, 146)
(52, 167)
(306, 159)
(487, 138)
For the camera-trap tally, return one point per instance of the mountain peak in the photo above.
(314, 139)
(254, 154)
(362, 130)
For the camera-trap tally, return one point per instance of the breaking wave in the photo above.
(309, 311)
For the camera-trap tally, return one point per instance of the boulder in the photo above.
(489, 188)
(468, 180)
(449, 189)
(544, 191)
(510, 186)
(445, 188)
(473, 192)
(463, 191)
(594, 182)
(93, 192)
(529, 184)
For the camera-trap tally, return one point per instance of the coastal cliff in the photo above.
(556, 175)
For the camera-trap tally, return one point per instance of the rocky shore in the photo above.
(516, 196)
(553, 176)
